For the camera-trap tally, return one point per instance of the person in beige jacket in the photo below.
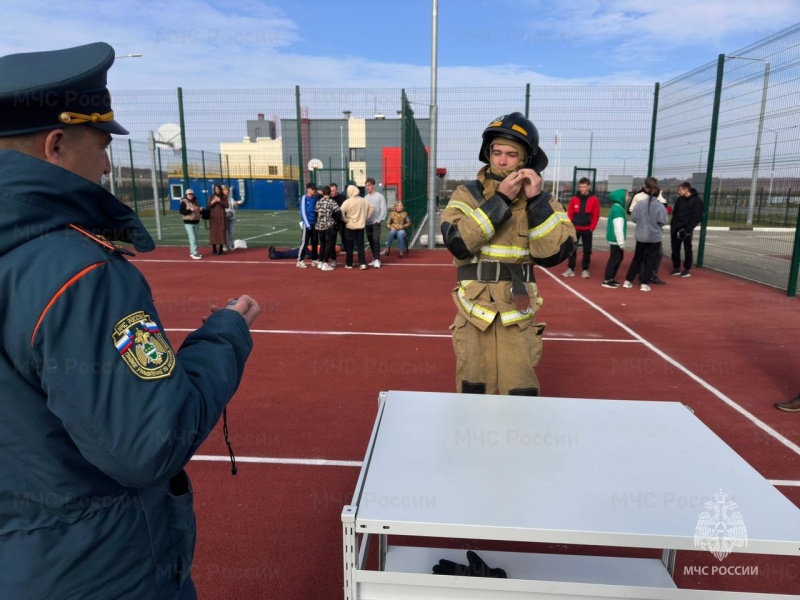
(355, 212)
(497, 228)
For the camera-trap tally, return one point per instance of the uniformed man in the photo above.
(98, 413)
(497, 228)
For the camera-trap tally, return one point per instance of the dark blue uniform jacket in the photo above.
(98, 414)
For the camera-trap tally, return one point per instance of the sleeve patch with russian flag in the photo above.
(141, 345)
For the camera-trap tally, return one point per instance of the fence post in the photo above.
(205, 183)
(300, 139)
(735, 204)
(760, 203)
(184, 157)
(792, 288)
(527, 100)
(161, 183)
(713, 208)
(712, 147)
(133, 179)
(786, 216)
(653, 133)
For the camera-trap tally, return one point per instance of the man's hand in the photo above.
(244, 305)
(511, 185)
(532, 182)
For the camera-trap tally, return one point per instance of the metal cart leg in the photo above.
(349, 550)
(382, 547)
(668, 558)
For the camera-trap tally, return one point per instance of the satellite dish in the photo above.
(169, 134)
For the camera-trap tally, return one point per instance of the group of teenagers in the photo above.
(220, 213)
(649, 210)
(327, 215)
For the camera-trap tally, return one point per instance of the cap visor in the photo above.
(110, 127)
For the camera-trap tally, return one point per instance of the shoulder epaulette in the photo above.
(102, 241)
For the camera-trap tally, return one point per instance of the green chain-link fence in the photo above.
(272, 135)
(414, 167)
(731, 127)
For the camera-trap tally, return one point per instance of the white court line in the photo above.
(255, 237)
(313, 462)
(368, 333)
(411, 335)
(286, 262)
(321, 462)
(738, 408)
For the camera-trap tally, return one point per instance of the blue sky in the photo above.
(199, 44)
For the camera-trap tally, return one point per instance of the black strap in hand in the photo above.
(234, 469)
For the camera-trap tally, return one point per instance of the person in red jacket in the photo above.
(584, 212)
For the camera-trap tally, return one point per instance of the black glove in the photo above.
(476, 568)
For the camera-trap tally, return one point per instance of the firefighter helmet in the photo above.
(515, 126)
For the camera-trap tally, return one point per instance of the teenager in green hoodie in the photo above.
(616, 230)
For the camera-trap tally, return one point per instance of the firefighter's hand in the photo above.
(532, 182)
(511, 185)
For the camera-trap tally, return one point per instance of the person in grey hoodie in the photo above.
(650, 217)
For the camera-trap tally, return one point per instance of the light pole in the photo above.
(757, 157)
(433, 124)
(774, 150)
(700, 158)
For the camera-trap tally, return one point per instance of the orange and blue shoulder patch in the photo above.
(142, 346)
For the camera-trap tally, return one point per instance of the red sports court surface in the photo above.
(327, 343)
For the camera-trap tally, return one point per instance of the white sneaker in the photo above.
(363, 267)
(627, 285)
(568, 273)
(376, 263)
(315, 263)
(644, 288)
(326, 268)
(585, 274)
(301, 265)
(196, 256)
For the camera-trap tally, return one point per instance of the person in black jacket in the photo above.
(686, 215)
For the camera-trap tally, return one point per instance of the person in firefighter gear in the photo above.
(497, 228)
